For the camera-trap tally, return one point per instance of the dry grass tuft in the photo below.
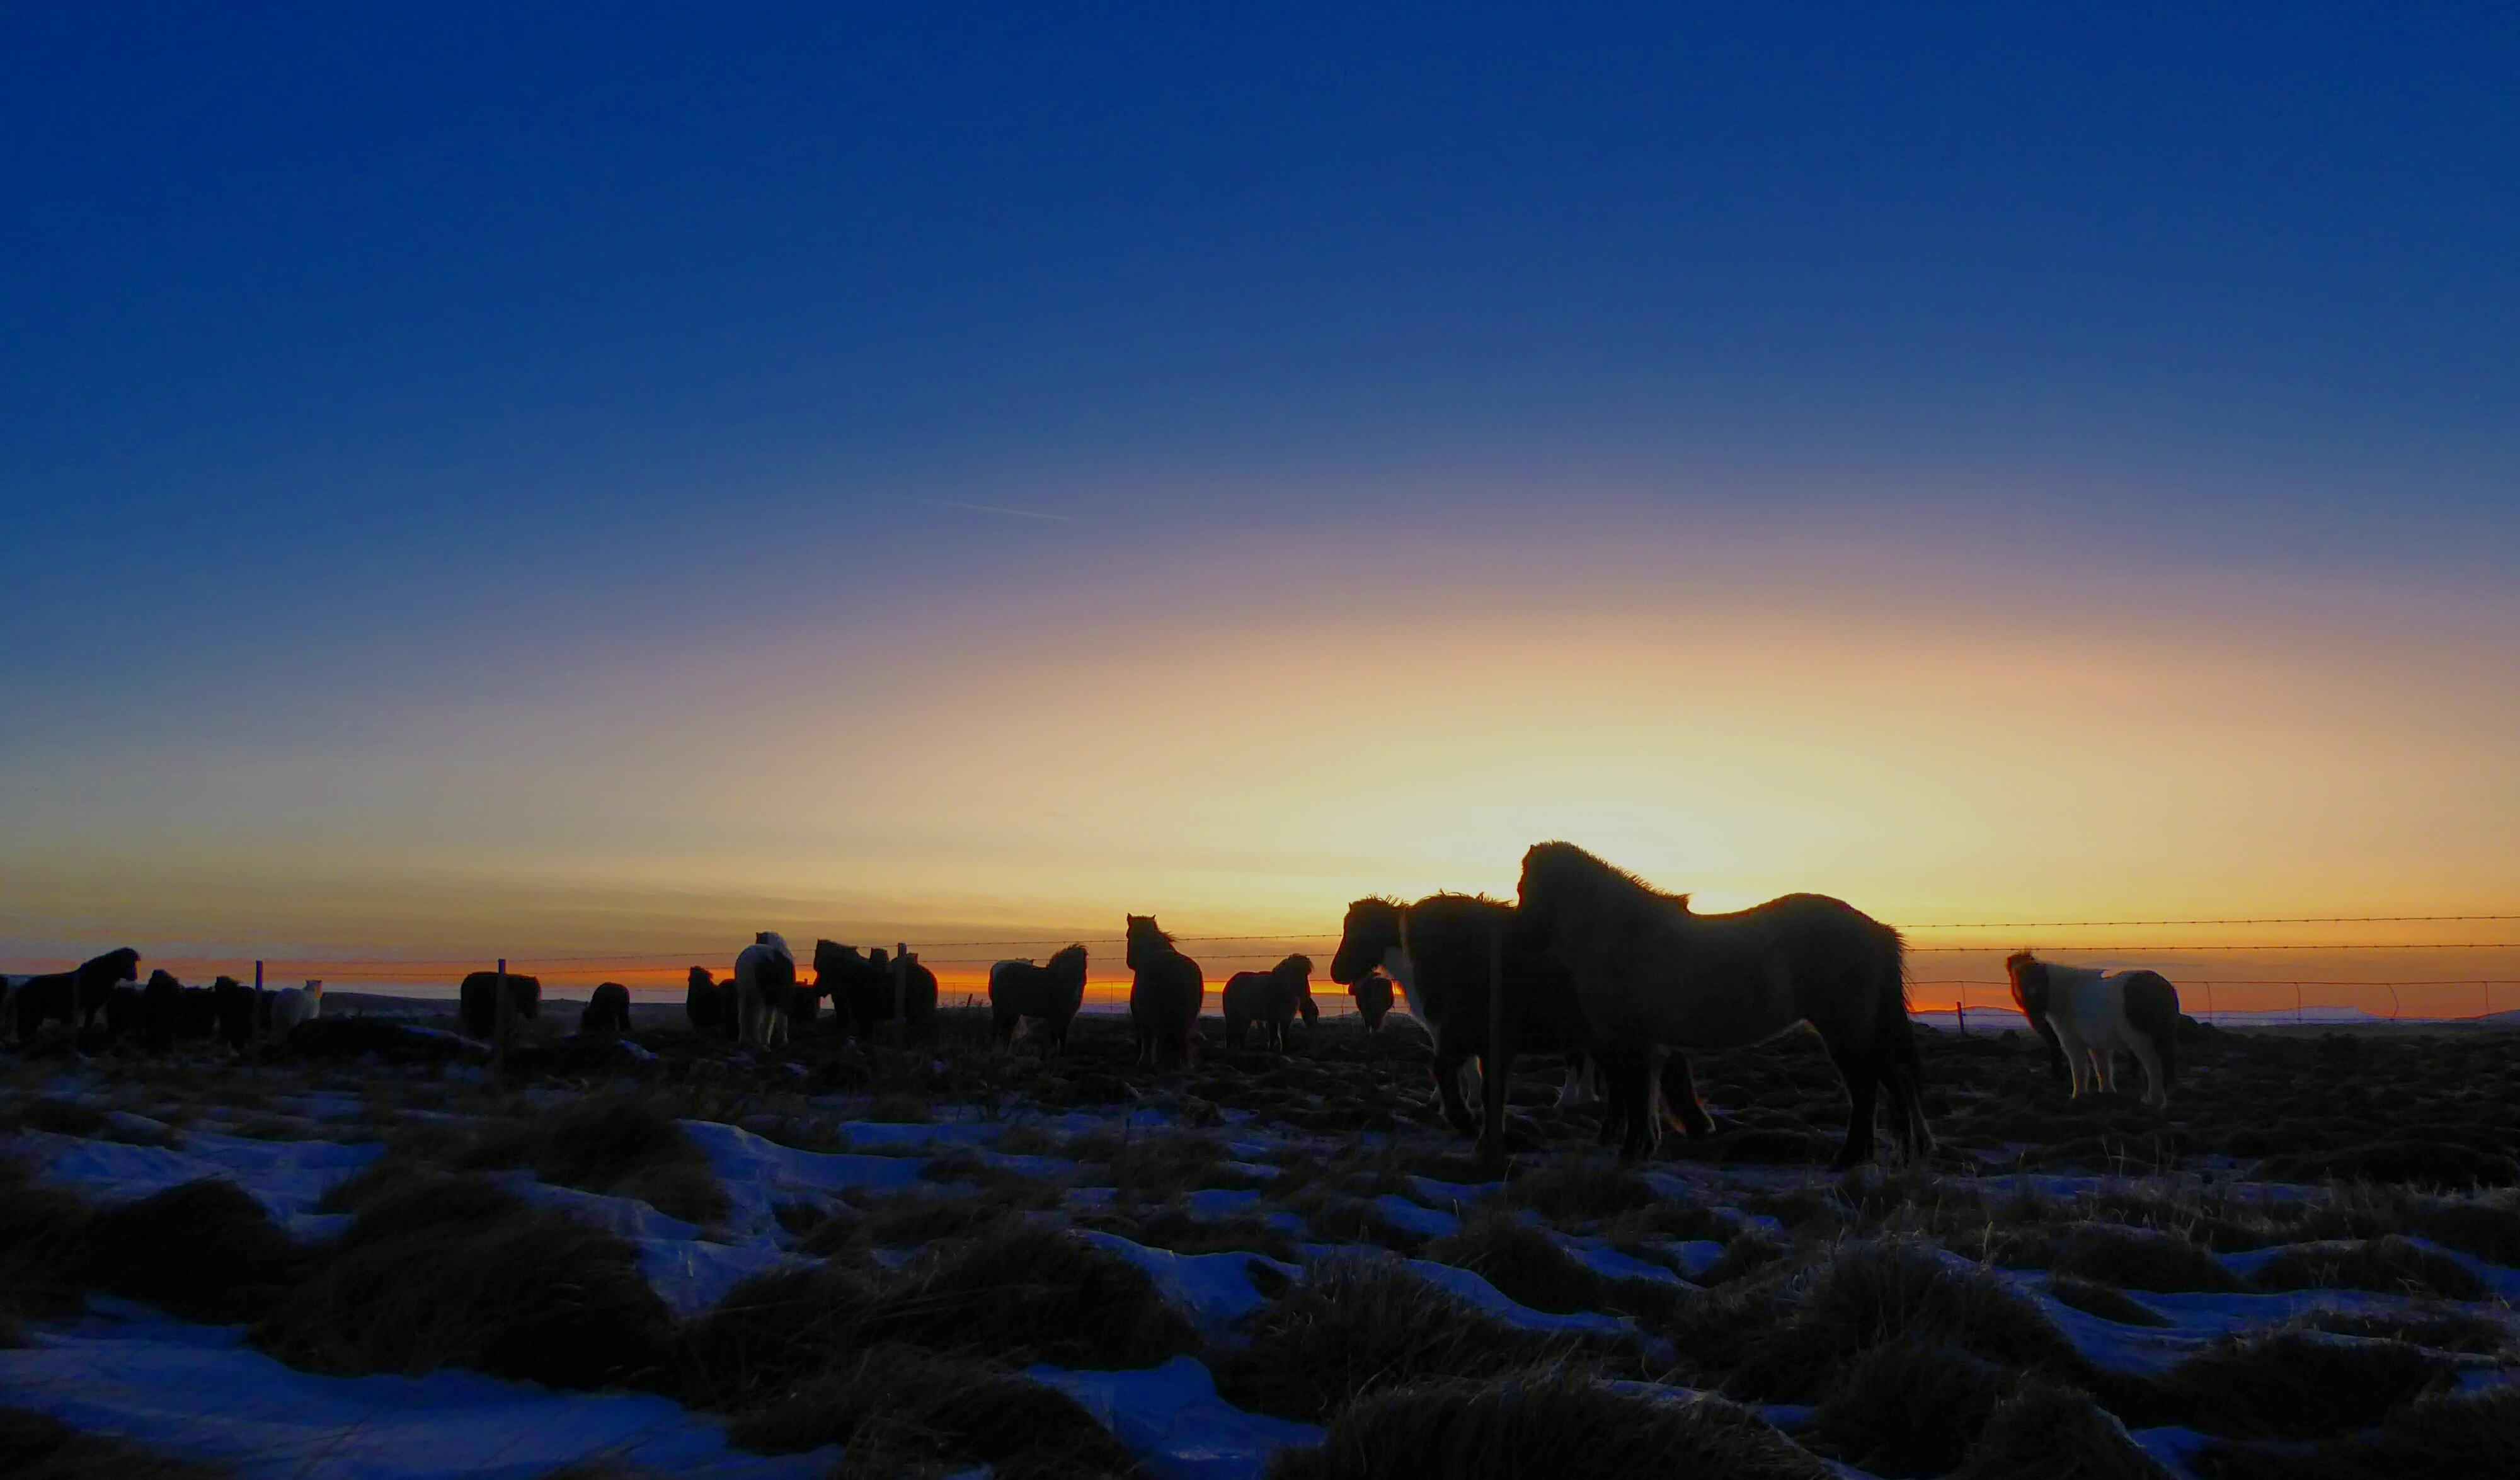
(624, 1144)
(2300, 1385)
(1531, 1267)
(1908, 1409)
(451, 1272)
(36, 1447)
(2393, 1263)
(1357, 1323)
(1543, 1421)
(900, 1411)
(204, 1251)
(2045, 1431)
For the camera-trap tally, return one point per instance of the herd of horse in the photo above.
(1587, 962)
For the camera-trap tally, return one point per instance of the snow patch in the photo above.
(1171, 1419)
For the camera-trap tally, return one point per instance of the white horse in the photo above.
(292, 1005)
(764, 973)
(2086, 1015)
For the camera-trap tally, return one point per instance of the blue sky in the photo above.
(363, 366)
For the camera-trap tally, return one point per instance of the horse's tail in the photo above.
(1894, 1043)
(2151, 1006)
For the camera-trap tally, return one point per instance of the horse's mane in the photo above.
(1063, 957)
(700, 977)
(1297, 965)
(1561, 857)
(1143, 928)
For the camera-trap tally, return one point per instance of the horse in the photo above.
(233, 1002)
(2085, 1016)
(1166, 993)
(1269, 1000)
(161, 1010)
(75, 996)
(1373, 994)
(765, 971)
(1648, 970)
(607, 1010)
(709, 1005)
(292, 1005)
(477, 1001)
(197, 1014)
(1438, 952)
(853, 983)
(1050, 995)
(121, 1013)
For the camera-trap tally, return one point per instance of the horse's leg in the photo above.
(1860, 1073)
(2078, 1055)
(2156, 1093)
(1450, 1056)
(1631, 1096)
(1680, 1098)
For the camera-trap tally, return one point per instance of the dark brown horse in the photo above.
(1650, 970)
(1442, 952)
(1373, 994)
(476, 1001)
(607, 1010)
(1270, 1001)
(73, 997)
(1166, 993)
(1050, 995)
(709, 1005)
(862, 986)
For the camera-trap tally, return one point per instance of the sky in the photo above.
(608, 480)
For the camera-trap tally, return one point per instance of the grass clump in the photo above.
(900, 1411)
(1357, 1323)
(204, 1251)
(623, 1143)
(1544, 1421)
(1013, 1295)
(1529, 1265)
(2104, 1301)
(38, 1447)
(2134, 1259)
(1581, 1189)
(2392, 1263)
(2443, 1329)
(2464, 1437)
(453, 1272)
(1908, 1409)
(2043, 1430)
(1870, 1294)
(1171, 1226)
(2488, 1231)
(2293, 1384)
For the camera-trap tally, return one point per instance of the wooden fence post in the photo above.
(499, 1034)
(261, 1005)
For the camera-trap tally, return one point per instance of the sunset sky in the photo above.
(472, 485)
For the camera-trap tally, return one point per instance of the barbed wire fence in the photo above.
(962, 964)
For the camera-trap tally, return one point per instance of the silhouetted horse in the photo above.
(1166, 993)
(476, 1001)
(1650, 970)
(765, 971)
(1373, 994)
(121, 1013)
(233, 1001)
(75, 996)
(161, 1010)
(607, 1011)
(197, 1017)
(1050, 995)
(1438, 951)
(1269, 1000)
(709, 1005)
(2085, 1016)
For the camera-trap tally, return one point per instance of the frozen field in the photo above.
(357, 1255)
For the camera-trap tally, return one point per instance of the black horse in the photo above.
(608, 1011)
(161, 1008)
(862, 987)
(711, 1004)
(75, 996)
(1049, 995)
(1373, 994)
(234, 1008)
(1166, 992)
(1269, 1001)
(477, 1001)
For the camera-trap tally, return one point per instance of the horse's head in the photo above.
(1540, 894)
(699, 980)
(1296, 970)
(112, 966)
(775, 941)
(162, 980)
(1146, 940)
(831, 958)
(2029, 976)
(1067, 965)
(1371, 927)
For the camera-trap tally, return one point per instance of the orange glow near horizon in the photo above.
(1965, 743)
